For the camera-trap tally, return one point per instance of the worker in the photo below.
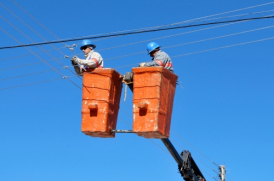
(159, 58)
(93, 59)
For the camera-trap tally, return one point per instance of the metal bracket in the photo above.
(121, 131)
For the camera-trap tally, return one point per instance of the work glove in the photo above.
(73, 60)
(142, 64)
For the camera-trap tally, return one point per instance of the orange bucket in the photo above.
(100, 103)
(153, 94)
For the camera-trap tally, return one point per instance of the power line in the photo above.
(195, 149)
(143, 40)
(138, 32)
(255, 41)
(37, 55)
(248, 31)
(49, 71)
(20, 66)
(37, 34)
(33, 83)
(242, 32)
(250, 7)
(25, 75)
(25, 55)
(167, 36)
(187, 21)
(196, 157)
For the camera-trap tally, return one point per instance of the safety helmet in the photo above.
(152, 46)
(87, 43)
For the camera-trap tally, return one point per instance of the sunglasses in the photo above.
(83, 48)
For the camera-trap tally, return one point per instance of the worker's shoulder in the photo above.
(161, 54)
(96, 54)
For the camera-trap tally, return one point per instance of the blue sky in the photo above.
(224, 110)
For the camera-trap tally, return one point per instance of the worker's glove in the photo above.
(128, 78)
(142, 64)
(73, 60)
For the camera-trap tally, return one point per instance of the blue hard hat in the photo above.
(87, 43)
(152, 46)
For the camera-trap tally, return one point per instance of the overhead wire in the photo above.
(168, 152)
(37, 34)
(139, 41)
(187, 43)
(195, 148)
(25, 65)
(196, 157)
(25, 75)
(38, 56)
(118, 67)
(179, 33)
(231, 45)
(198, 41)
(166, 88)
(25, 55)
(134, 42)
(167, 36)
(126, 45)
(233, 34)
(50, 80)
(228, 46)
(188, 21)
(138, 32)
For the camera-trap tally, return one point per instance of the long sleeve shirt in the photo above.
(160, 59)
(93, 60)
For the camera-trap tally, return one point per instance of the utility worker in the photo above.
(159, 58)
(93, 59)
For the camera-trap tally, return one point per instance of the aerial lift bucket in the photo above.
(100, 103)
(153, 94)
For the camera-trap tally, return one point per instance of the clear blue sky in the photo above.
(225, 108)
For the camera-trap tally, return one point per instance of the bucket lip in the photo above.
(148, 69)
(151, 69)
(101, 71)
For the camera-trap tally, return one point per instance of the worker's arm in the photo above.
(76, 67)
(89, 62)
(94, 61)
(158, 60)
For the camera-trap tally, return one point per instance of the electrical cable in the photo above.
(168, 152)
(143, 40)
(32, 83)
(38, 56)
(167, 36)
(57, 69)
(167, 47)
(228, 46)
(138, 32)
(37, 34)
(198, 41)
(196, 158)
(25, 65)
(188, 21)
(25, 55)
(9, 78)
(252, 30)
(195, 148)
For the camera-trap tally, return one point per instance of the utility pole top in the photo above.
(222, 172)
